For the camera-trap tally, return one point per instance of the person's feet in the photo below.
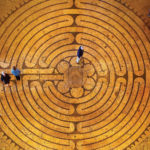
(78, 59)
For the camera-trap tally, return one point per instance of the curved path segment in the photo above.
(102, 103)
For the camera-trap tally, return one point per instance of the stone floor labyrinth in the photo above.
(102, 103)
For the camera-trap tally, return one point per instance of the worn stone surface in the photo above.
(101, 103)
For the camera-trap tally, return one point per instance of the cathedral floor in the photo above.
(102, 103)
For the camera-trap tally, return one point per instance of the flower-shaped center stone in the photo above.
(79, 79)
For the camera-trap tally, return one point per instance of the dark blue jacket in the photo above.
(5, 78)
(79, 52)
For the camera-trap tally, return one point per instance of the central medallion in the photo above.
(78, 80)
(75, 77)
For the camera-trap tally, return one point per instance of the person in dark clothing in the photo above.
(79, 54)
(5, 78)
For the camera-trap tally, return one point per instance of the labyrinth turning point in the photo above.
(102, 103)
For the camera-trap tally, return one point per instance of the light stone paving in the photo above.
(102, 103)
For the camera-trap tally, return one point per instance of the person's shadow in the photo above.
(81, 63)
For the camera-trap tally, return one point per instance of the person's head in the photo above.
(3, 73)
(81, 47)
(14, 68)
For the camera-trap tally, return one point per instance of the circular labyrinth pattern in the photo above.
(101, 103)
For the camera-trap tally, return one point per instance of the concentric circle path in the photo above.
(102, 103)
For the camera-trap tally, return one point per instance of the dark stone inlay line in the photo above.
(28, 121)
(123, 26)
(27, 17)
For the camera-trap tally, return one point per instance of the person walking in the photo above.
(5, 78)
(16, 72)
(79, 54)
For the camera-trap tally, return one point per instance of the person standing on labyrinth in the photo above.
(5, 78)
(79, 54)
(16, 72)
